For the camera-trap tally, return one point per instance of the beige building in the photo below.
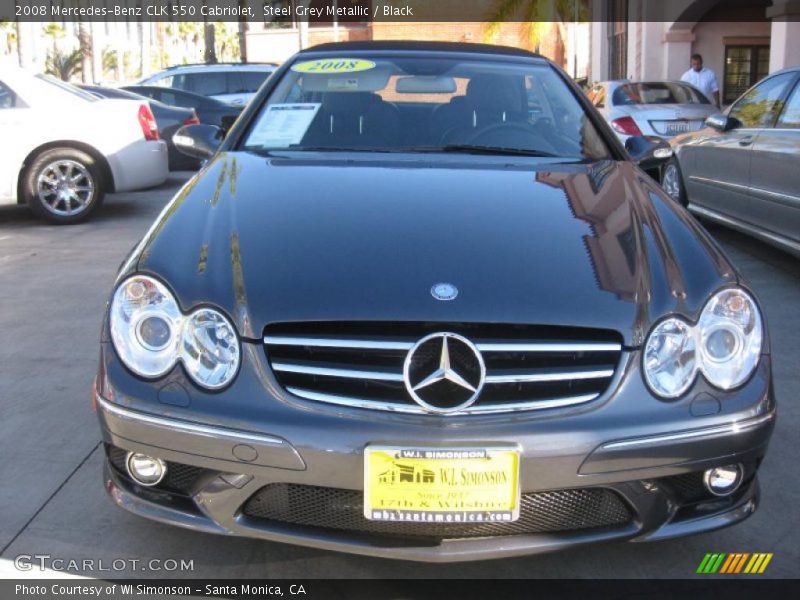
(741, 40)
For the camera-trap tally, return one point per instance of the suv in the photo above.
(233, 83)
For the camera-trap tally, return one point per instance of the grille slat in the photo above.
(360, 364)
(339, 509)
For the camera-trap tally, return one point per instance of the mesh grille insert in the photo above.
(339, 509)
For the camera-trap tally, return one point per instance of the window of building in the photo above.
(744, 67)
(618, 39)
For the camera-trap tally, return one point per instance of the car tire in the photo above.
(63, 186)
(672, 182)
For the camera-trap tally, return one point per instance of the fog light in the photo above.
(145, 470)
(722, 481)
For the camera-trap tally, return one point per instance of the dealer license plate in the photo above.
(440, 485)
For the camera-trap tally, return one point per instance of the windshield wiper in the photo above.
(500, 150)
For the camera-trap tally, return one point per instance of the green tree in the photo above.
(536, 15)
(64, 65)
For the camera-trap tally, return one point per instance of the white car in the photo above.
(62, 148)
(232, 83)
(656, 108)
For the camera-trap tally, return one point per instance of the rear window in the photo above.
(252, 80)
(208, 83)
(656, 93)
(70, 89)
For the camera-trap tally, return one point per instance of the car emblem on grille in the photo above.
(444, 372)
(444, 291)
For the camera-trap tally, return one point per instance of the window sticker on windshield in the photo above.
(283, 124)
(350, 83)
(334, 65)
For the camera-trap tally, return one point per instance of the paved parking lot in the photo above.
(54, 282)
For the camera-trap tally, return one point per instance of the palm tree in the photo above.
(55, 32)
(86, 46)
(242, 32)
(537, 15)
(63, 65)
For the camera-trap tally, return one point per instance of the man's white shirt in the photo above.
(704, 80)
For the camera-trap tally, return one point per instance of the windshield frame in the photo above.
(235, 140)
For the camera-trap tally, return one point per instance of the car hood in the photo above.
(343, 237)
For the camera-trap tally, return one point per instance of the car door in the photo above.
(14, 114)
(774, 173)
(716, 164)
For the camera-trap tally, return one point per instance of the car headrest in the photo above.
(494, 92)
(349, 102)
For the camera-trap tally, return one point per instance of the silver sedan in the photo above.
(741, 170)
(655, 108)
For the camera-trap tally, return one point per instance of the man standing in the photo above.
(703, 79)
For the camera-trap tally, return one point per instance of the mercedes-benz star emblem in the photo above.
(444, 372)
(444, 291)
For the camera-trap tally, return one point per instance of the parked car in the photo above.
(232, 83)
(209, 111)
(168, 118)
(741, 170)
(399, 316)
(64, 148)
(659, 108)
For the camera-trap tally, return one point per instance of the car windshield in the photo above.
(433, 104)
(657, 93)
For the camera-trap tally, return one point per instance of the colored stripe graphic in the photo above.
(711, 563)
(722, 563)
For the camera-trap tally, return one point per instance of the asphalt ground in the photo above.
(54, 282)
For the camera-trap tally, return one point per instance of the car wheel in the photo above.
(672, 182)
(63, 186)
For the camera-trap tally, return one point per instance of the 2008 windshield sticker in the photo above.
(334, 65)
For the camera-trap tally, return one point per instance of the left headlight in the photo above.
(724, 346)
(150, 334)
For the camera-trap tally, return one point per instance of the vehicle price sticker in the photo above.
(282, 125)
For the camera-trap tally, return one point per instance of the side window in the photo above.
(164, 81)
(9, 98)
(759, 107)
(790, 118)
(207, 83)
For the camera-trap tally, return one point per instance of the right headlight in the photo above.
(724, 345)
(150, 335)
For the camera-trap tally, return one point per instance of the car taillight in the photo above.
(193, 120)
(626, 126)
(148, 123)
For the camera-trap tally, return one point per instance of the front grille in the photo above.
(179, 479)
(361, 363)
(338, 509)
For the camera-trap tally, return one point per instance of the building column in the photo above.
(785, 38)
(677, 53)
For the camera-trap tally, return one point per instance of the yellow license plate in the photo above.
(441, 485)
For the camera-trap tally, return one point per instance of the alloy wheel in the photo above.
(65, 187)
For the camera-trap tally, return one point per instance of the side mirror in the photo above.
(649, 152)
(721, 122)
(198, 141)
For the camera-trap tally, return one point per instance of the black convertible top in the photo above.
(424, 46)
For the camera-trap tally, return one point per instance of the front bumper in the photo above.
(640, 457)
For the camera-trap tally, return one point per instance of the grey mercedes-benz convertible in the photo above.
(421, 303)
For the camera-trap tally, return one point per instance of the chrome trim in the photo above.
(418, 410)
(735, 427)
(482, 346)
(331, 372)
(768, 195)
(765, 236)
(539, 377)
(185, 426)
(337, 343)
(718, 183)
(548, 347)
